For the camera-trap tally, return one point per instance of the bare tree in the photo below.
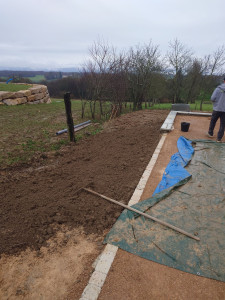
(142, 62)
(179, 59)
(193, 79)
(217, 61)
(95, 70)
(138, 76)
(117, 85)
(105, 78)
(157, 90)
(202, 75)
(82, 87)
(212, 67)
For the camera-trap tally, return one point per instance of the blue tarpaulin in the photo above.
(190, 196)
(175, 170)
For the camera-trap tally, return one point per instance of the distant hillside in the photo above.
(36, 76)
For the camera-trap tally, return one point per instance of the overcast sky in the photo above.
(42, 34)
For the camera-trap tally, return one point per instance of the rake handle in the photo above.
(143, 214)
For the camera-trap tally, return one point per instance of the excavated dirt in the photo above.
(51, 232)
(36, 200)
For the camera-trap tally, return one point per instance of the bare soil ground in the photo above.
(49, 232)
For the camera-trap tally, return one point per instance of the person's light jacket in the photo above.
(218, 98)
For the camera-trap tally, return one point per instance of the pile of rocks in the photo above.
(34, 95)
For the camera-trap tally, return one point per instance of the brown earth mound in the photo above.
(35, 201)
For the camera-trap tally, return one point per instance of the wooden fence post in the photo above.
(69, 117)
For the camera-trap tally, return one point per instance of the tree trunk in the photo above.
(93, 111)
(83, 103)
(101, 109)
(134, 105)
(201, 103)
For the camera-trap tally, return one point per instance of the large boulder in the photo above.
(35, 90)
(47, 99)
(31, 98)
(39, 96)
(10, 101)
(5, 95)
(22, 93)
(44, 89)
(22, 100)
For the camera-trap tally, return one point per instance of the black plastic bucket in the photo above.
(185, 126)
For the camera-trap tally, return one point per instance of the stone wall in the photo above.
(34, 95)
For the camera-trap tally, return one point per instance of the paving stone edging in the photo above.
(167, 126)
(106, 258)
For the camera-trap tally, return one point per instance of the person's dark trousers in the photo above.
(215, 116)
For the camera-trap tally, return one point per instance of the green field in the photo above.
(193, 106)
(10, 87)
(37, 78)
(29, 131)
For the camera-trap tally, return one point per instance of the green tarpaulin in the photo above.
(196, 204)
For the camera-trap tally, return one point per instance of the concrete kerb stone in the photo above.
(191, 113)
(106, 258)
(93, 288)
(168, 123)
(135, 197)
(91, 292)
(98, 278)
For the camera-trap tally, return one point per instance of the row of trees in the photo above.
(141, 75)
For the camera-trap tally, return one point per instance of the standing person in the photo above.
(218, 99)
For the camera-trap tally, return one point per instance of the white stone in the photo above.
(91, 292)
(105, 261)
(98, 278)
(135, 197)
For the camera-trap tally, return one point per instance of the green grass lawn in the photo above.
(10, 87)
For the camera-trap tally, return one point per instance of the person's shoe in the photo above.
(209, 135)
(219, 141)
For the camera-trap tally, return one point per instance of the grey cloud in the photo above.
(58, 32)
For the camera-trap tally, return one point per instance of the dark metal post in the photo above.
(69, 116)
